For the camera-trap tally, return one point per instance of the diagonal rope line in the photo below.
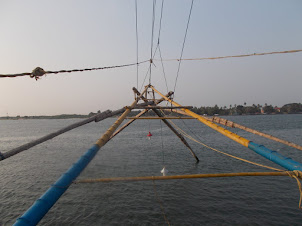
(152, 34)
(238, 56)
(136, 43)
(162, 65)
(183, 45)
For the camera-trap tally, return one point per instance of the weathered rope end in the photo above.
(297, 174)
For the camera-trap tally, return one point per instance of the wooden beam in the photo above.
(160, 107)
(160, 117)
(156, 111)
(138, 115)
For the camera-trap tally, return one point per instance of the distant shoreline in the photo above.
(74, 116)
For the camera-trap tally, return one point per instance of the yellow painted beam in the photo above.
(160, 118)
(219, 129)
(105, 138)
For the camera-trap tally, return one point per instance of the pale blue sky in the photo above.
(62, 34)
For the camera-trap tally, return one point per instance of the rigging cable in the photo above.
(183, 45)
(237, 56)
(152, 34)
(136, 43)
(158, 45)
(162, 65)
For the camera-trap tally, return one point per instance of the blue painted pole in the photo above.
(37, 211)
(275, 157)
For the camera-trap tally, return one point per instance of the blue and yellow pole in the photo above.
(277, 158)
(38, 210)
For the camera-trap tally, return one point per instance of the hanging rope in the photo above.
(136, 43)
(152, 34)
(160, 203)
(162, 142)
(183, 46)
(39, 72)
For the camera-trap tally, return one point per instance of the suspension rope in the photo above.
(39, 72)
(236, 56)
(136, 43)
(183, 46)
(164, 73)
(152, 34)
(159, 30)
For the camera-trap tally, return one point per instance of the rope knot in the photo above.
(297, 173)
(37, 72)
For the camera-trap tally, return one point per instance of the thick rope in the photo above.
(297, 174)
(39, 72)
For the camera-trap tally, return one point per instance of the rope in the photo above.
(136, 43)
(152, 34)
(183, 45)
(237, 56)
(39, 72)
(221, 152)
(297, 174)
(160, 203)
(164, 73)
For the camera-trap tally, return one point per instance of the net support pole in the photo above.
(38, 210)
(183, 140)
(138, 115)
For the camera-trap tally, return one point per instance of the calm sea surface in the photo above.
(216, 201)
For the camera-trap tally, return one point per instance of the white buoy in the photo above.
(164, 171)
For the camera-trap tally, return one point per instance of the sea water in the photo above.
(213, 201)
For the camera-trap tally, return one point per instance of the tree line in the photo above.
(292, 108)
